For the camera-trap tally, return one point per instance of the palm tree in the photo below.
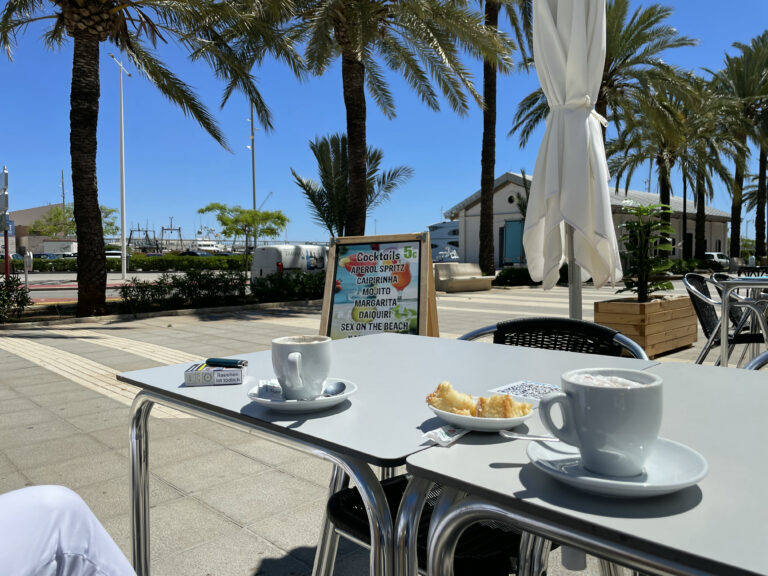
(707, 139)
(744, 79)
(416, 38)
(520, 17)
(328, 198)
(634, 46)
(759, 49)
(652, 131)
(203, 27)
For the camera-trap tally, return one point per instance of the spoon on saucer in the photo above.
(333, 388)
(518, 436)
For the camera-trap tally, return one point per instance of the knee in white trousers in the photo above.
(50, 531)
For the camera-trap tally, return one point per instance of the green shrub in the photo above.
(14, 297)
(286, 287)
(197, 288)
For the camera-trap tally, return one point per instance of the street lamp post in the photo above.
(253, 176)
(123, 255)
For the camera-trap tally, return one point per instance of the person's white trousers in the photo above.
(50, 531)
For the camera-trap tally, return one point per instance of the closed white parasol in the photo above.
(569, 193)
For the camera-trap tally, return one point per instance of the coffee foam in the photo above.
(604, 381)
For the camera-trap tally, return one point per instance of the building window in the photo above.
(674, 245)
(718, 246)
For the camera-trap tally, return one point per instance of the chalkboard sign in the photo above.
(379, 284)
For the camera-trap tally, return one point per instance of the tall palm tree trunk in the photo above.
(83, 120)
(700, 245)
(665, 187)
(353, 81)
(685, 254)
(738, 186)
(488, 155)
(761, 201)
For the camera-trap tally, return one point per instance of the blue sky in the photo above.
(173, 167)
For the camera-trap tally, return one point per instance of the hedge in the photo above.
(136, 262)
(202, 288)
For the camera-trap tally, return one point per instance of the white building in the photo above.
(508, 221)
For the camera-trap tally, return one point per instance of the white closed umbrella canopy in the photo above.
(570, 181)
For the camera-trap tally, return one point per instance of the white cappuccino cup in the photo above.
(302, 364)
(611, 415)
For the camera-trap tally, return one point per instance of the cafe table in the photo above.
(380, 425)
(753, 283)
(716, 527)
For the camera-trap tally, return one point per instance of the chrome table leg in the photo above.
(328, 544)
(407, 527)
(139, 431)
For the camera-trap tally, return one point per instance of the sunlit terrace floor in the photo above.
(220, 498)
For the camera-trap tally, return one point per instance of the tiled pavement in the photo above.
(223, 502)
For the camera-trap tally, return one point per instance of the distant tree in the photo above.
(109, 223)
(522, 199)
(205, 29)
(422, 40)
(236, 221)
(520, 16)
(59, 221)
(328, 199)
(743, 78)
(633, 57)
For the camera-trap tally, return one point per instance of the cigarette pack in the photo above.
(204, 375)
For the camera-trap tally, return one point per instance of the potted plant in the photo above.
(658, 323)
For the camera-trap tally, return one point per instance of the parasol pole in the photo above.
(574, 277)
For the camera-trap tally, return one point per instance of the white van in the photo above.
(288, 258)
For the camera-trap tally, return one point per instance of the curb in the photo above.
(113, 318)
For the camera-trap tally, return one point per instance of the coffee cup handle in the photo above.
(566, 433)
(293, 370)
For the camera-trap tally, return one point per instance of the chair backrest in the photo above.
(735, 313)
(758, 362)
(697, 288)
(561, 334)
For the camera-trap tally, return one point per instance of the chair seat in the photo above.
(487, 548)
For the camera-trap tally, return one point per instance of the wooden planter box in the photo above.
(663, 324)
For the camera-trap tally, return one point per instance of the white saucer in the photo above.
(280, 404)
(671, 467)
(480, 424)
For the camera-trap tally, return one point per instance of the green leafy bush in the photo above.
(287, 287)
(197, 288)
(685, 266)
(14, 297)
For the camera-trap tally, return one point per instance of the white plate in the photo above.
(480, 424)
(671, 467)
(315, 405)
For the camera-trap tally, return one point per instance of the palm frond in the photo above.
(174, 89)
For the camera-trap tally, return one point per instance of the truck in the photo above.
(62, 247)
(269, 260)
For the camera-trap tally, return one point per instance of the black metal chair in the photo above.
(758, 362)
(706, 311)
(486, 548)
(560, 334)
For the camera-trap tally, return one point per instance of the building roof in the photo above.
(675, 203)
(506, 178)
(645, 198)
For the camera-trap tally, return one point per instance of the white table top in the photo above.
(718, 526)
(384, 421)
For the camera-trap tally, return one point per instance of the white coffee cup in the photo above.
(612, 415)
(302, 364)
